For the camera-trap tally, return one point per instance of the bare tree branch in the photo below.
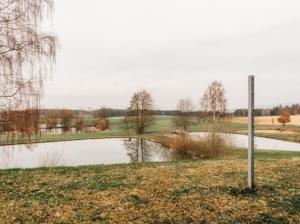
(26, 54)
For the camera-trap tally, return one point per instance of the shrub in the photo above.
(204, 147)
(103, 124)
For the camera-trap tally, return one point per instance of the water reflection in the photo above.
(30, 146)
(29, 156)
(138, 150)
(141, 150)
(260, 143)
(83, 152)
(108, 151)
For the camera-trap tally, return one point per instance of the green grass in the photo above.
(262, 154)
(285, 137)
(195, 191)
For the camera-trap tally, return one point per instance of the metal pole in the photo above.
(251, 132)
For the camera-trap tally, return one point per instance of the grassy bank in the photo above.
(200, 191)
(162, 124)
(285, 137)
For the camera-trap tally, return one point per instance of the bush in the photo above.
(206, 147)
(103, 124)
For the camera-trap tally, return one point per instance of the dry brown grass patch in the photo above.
(207, 147)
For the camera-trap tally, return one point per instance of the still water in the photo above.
(83, 152)
(112, 151)
(260, 143)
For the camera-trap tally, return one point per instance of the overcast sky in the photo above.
(174, 48)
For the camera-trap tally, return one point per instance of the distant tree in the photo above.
(22, 123)
(214, 101)
(258, 112)
(102, 116)
(184, 115)
(241, 112)
(140, 111)
(102, 113)
(285, 117)
(276, 110)
(66, 117)
(295, 109)
(51, 120)
(79, 124)
(103, 124)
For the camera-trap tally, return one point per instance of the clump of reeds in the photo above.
(50, 159)
(202, 147)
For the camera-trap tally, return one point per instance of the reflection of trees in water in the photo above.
(12, 156)
(9, 152)
(31, 147)
(138, 149)
(141, 150)
(5, 155)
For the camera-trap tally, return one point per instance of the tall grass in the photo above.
(50, 159)
(202, 147)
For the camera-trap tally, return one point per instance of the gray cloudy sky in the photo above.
(174, 48)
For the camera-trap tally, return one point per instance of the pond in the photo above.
(112, 151)
(260, 143)
(83, 152)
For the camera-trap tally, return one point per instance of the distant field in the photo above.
(267, 120)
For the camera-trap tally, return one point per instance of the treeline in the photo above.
(113, 112)
(275, 111)
(79, 120)
(83, 113)
(25, 123)
(20, 123)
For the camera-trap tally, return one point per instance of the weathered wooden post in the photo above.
(251, 132)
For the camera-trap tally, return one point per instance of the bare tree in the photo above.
(79, 124)
(26, 53)
(102, 118)
(102, 113)
(184, 116)
(214, 100)
(66, 118)
(140, 111)
(51, 120)
(22, 123)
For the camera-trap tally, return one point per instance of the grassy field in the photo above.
(199, 191)
(268, 120)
